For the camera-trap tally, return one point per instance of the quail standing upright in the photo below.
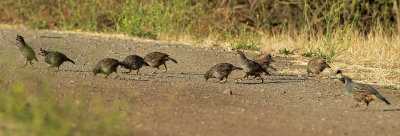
(155, 59)
(316, 66)
(264, 59)
(220, 71)
(133, 62)
(27, 52)
(54, 58)
(106, 66)
(250, 67)
(361, 92)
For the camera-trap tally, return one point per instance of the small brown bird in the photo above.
(133, 62)
(264, 59)
(316, 66)
(251, 68)
(155, 59)
(54, 58)
(106, 66)
(27, 52)
(220, 71)
(361, 92)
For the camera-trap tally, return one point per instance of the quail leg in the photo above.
(165, 68)
(137, 72)
(26, 62)
(30, 62)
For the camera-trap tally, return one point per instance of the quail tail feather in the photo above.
(169, 58)
(68, 59)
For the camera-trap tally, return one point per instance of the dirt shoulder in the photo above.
(181, 102)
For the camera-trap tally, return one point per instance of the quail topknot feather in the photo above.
(220, 71)
(133, 62)
(27, 52)
(264, 59)
(106, 66)
(155, 59)
(54, 58)
(361, 92)
(250, 67)
(316, 66)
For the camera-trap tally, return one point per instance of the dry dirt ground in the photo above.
(181, 102)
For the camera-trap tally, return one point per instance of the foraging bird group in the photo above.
(259, 64)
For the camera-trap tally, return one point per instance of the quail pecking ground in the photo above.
(133, 62)
(106, 66)
(362, 93)
(264, 59)
(54, 58)
(27, 52)
(250, 67)
(316, 66)
(220, 71)
(155, 59)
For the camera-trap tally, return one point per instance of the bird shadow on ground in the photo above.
(79, 71)
(133, 79)
(272, 82)
(194, 74)
(392, 110)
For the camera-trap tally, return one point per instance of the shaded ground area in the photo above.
(182, 103)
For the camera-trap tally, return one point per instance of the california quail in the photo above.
(133, 62)
(27, 52)
(106, 66)
(155, 59)
(264, 59)
(54, 58)
(361, 92)
(316, 66)
(220, 71)
(251, 68)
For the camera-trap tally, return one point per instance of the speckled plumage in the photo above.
(220, 71)
(27, 52)
(316, 66)
(264, 59)
(133, 62)
(54, 58)
(250, 67)
(155, 59)
(361, 92)
(106, 66)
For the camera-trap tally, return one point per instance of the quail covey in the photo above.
(27, 52)
(155, 59)
(220, 71)
(362, 93)
(133, 62)
(264, 59)
(54, 58)
(250, 67)
(316, 66)
(106, 66)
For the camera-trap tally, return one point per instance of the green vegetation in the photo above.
(286, 51)
(233, 22)
(31, 107)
